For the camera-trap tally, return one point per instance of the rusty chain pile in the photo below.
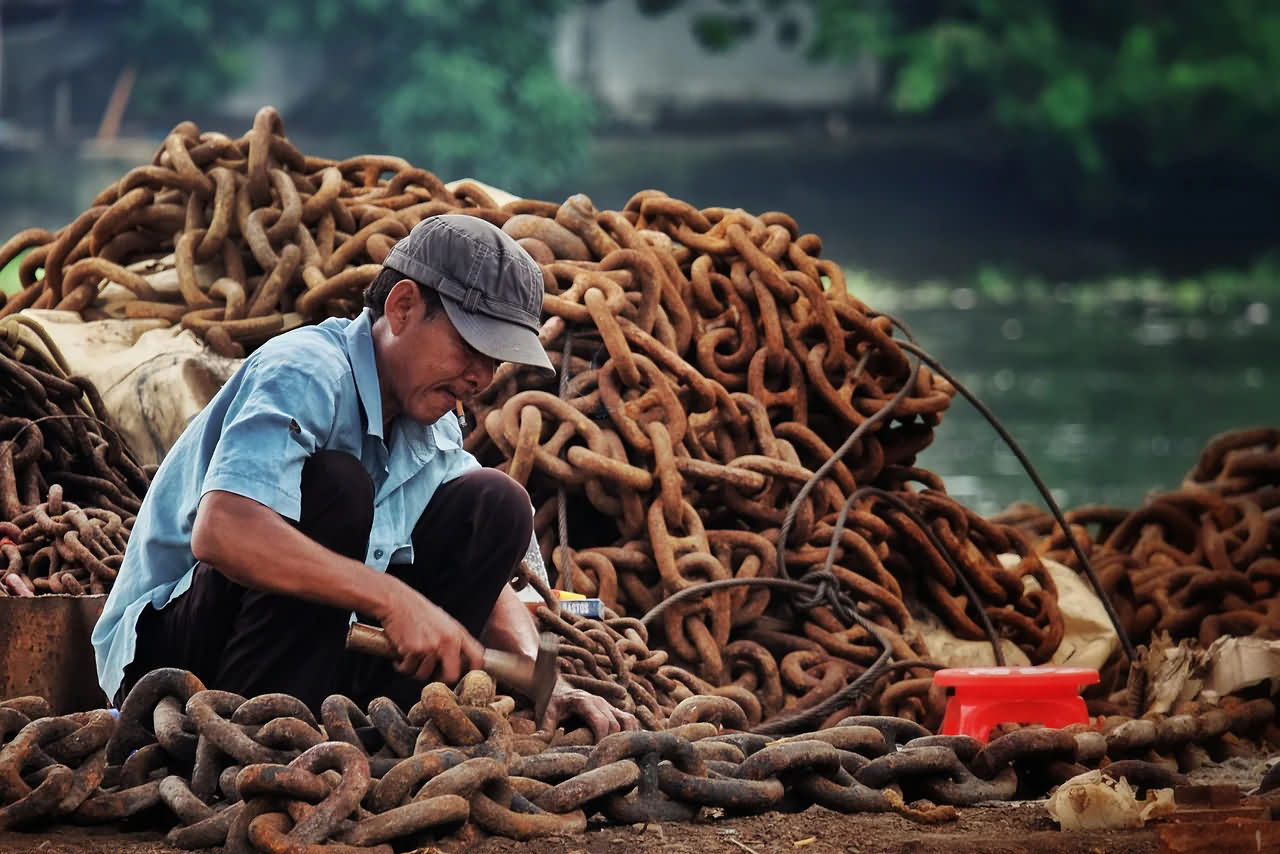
(1199, 562)
(710, 364)
(69, 487)
(263, 238)
(264, 775)
(611, 658)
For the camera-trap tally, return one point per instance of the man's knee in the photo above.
(340, 472)
(337, 502)
(500, 501)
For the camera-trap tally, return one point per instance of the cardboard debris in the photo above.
(1179, 672)
(1173, 673)
(1237, 663)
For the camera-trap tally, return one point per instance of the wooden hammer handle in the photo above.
(369, 640)
(519, 672)
(509, 668)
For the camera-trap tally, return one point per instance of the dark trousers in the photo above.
(466, 546)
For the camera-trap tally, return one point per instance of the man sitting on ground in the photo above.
(327, 478)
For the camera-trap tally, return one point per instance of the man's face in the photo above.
(426, 367)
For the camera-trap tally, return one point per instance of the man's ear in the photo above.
(402, 301)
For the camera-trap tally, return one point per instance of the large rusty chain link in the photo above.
(263, 774)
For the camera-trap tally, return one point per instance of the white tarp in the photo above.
(153, 377)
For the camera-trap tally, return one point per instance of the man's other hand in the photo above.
(600, 716)
(428, 640)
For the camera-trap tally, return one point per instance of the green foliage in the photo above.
(460, 88)
(1107, 81)
(1108, 84)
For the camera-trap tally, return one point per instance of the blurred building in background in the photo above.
(57, 73)
(646, 69)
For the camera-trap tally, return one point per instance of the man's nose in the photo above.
(480, 370)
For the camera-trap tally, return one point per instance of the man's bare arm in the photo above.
(510, 625)
(254, 546)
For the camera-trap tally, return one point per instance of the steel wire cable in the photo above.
(562, 497)
(824, 576)
(1125, 643)
(854, 690)
(912, 347)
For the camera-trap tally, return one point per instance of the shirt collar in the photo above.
(364, 366)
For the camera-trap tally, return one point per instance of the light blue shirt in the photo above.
(301, 392)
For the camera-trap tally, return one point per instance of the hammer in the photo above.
(534, 679)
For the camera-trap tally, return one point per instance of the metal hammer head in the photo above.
(536, 682)
(545, 673)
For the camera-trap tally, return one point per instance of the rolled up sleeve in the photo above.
(282, 413)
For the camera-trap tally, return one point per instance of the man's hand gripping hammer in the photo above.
(534, 678)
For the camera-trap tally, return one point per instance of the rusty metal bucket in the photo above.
(45, 650)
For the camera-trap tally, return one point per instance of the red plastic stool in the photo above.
(987, 696)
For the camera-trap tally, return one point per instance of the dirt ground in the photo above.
(1009, 828)
(1018, 827)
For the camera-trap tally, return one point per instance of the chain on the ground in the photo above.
(263, 774)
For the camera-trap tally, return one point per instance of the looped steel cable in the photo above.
(562, 509)
(1125, 643)
(826, 592)
(823, 593)
(823, 470)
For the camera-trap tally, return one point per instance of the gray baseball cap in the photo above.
(491, 288)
